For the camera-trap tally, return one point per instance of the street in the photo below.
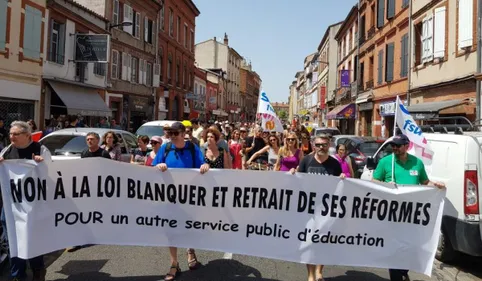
(115, 263)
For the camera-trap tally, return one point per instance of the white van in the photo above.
(154, 128)
(457, 163)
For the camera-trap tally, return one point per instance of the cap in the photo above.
(177, 126)
(400, 140)
(242, 129)
(156, 138)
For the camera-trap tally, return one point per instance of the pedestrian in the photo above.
(179, 153)
(138, 155)
(344, 160)
(235, 148)
(111, 144)
(290, 155)
(156, 142)
(409, 170)
(216, 157)
(22, 147)
(319, 163)
(272, 149)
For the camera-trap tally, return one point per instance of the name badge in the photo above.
(413, 172)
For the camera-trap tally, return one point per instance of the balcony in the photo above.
(369, 84)
(362, 39)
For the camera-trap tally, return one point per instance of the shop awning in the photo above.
(364, 97)
(346, 111)
(429, 110)
(80, 100)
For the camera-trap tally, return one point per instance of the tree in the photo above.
(282, 114)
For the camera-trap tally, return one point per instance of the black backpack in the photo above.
(190, 147)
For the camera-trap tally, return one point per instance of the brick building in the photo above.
(176, 56)
(132, 79)
(344, 113)
(199, 97)
(249, 86)
(383, 56)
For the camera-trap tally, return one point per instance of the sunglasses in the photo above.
(321, 144)
(396, 145)
(174, 134)
(154, 142)
(272, 140)
(290, 139)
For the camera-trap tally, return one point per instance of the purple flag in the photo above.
(345, 78)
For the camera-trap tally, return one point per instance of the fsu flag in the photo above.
(267, 115)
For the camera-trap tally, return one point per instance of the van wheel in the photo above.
(445, 252)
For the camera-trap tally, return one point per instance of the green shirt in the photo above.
(412, 172)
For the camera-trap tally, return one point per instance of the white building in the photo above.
(212, 54)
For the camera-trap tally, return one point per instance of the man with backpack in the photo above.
(179, 153)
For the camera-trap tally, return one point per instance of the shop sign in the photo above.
(388, 109)
(365, 106)
(138, 104)
(91, 48)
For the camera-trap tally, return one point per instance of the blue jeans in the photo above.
(18, 266)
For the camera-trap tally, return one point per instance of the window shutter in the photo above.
(140, 79)
(129, 69)
(424, 40)
(389, 62)
(439, 34)
(127, 18)
(3, 24)
(124, 66)
(157, 74)
(381, 13)
(429, 38)
(465, 23)
(146, 29)
(380, 67)
(32, 31)
(402, 56)
(390, 9)
(138, 25)
(144, 73)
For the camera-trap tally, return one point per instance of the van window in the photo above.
(130, 141)
(150, 131)
(122, 144)
(384, 151)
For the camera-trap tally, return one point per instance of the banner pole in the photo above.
(394, 134)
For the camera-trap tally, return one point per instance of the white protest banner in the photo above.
(300, 218)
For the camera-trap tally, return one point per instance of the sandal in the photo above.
(171, 277)
(192, 263)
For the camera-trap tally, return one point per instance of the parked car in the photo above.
(325, 130)
(360, 148)
(69, 143)
(457, 162)
(154, 128)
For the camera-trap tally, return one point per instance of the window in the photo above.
(136, 31)
(115, 12)
(380, 67)
(3, 23)
(99, 69)
(404, 56)
(465, 23)
(149, 74)
(185, 36)
(134, 70)
(171, 23)
(128, 16)
(418, 31)
(162, 18)
(57, 42)
(191, 41)
(178, 73)
(161, 62)
(184, 75)
(381, 13)
(115, 64)
(405, 3)
(390, 53)
(427, 39)
(169, 68)
(390, 9)
(439, 33)
(178, 29)
(372, 15)
(81, 71)
(148, 30)
(32, 32)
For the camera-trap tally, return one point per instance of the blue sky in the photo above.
(276, 35)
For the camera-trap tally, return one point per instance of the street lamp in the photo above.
(124, 23)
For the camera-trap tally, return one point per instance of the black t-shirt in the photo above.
(98, 153)
(330, 167)
(259, 144)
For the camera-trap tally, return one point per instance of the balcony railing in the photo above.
(371, 33)
(369, 84)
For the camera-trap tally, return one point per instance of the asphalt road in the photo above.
(115, 263)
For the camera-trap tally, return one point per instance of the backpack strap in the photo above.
(167, 150)
(192, 148)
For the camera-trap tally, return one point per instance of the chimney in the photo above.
(226, 41)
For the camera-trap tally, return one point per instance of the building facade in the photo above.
(311, 96)
(213, 95)
(22, 54)
(300, 92)
(249, 88)
(199, 97)
(343, 115)
(442, 81)
(71, 87)
(383, 53)
(327, 71)
(176, 56)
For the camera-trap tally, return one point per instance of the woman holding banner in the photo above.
(289, 156)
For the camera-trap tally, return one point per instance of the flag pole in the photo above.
(394, 134)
